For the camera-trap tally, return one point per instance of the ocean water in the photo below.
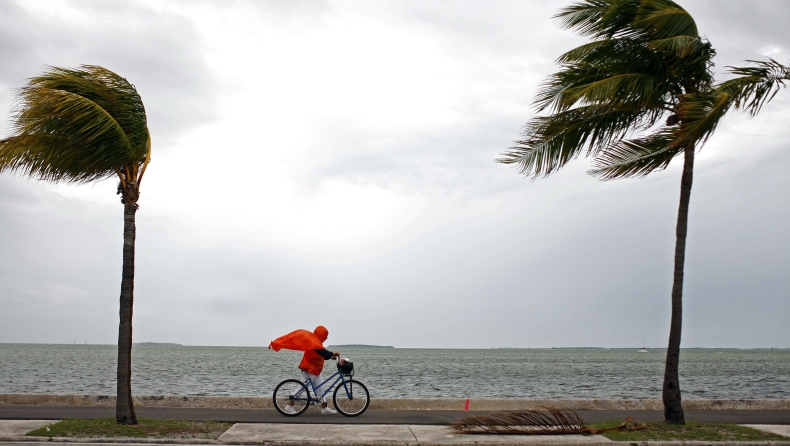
(401, 373)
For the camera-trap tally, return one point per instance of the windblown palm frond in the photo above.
(76, 125)
(663, 19)
(554, 141)
(646, 55)
(613, 71)
(699, 114)
(636, 157)
(599, 19)
(681, 46)
(756, 85)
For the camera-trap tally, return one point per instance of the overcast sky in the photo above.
(333, 163)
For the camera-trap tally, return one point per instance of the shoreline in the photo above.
(234, 402)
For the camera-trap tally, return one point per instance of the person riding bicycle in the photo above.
(312, 344)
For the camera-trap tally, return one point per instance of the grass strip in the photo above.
(145, 427)
(691, 431)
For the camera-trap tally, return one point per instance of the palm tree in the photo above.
(83, 125)
(640, 93)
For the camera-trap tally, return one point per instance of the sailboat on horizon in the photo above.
(644, 346)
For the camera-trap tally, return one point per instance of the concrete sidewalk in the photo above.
(12, 434)
(17, 428)
(250, 433)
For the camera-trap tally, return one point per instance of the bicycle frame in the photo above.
(337, 377)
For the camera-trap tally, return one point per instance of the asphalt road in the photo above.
(25, 412)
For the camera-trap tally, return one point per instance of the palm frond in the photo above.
(637, 157)
(533, 422)
(646, 59)
(598, 19)
(550, 142)
(620, 71)
(581, 52)
(526, 422)
(756, 85)
(678, 46)
(700, 115)
(628, 425)
(690, 58)
(31, 155)
(637, 88)
(110, 91)
(76, 125)
(672, 32)
(662, 19)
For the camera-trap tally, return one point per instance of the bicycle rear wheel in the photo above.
(291, 390)
(351, 399)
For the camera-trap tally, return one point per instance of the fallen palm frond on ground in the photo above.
(526, 422)
(628, 425)
(534, 422)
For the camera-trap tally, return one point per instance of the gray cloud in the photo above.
(460, 160)
(160, 52)
(463, 157)
(740, 30)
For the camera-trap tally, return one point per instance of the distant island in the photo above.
(578, 348)
(360, 345)
(158, 344)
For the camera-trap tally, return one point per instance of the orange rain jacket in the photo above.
(309, 343)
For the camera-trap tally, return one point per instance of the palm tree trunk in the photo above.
(124, 408)
(673, 410)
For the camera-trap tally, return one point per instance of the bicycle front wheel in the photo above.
(291, 397)
(351, 398)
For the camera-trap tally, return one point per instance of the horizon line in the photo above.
(175, 344)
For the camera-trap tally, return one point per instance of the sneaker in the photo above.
(328, 411)
(289, 409)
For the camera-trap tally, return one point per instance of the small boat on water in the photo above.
(644, 348)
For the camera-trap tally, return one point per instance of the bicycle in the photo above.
(351, 398)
